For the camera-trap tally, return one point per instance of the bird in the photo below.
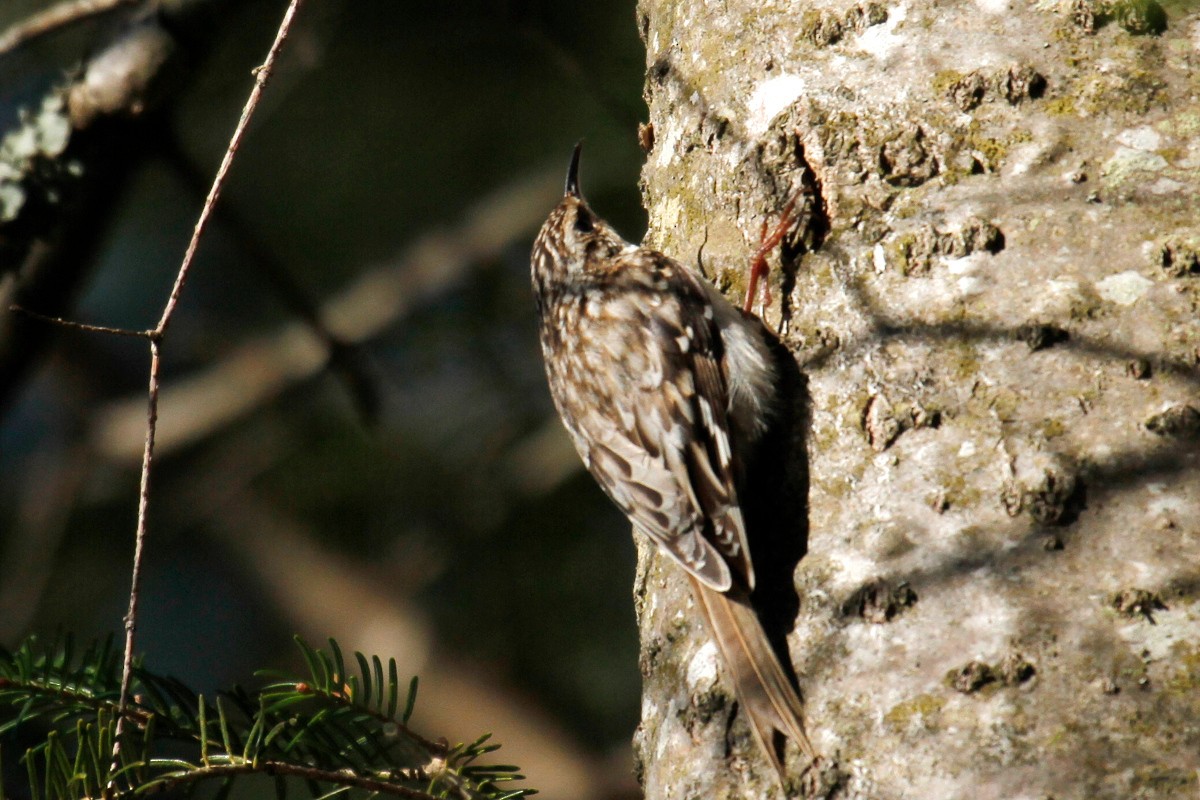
(666, 389)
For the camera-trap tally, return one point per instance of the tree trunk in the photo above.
(993, 294)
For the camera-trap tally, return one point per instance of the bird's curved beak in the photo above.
(572, 187)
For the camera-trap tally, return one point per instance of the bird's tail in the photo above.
(764, 690)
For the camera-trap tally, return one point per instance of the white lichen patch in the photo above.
(967, 265)
(993, 6)
(1022, 159)
(668, 143)
(664, 215)
(769, 98)
(1124, 288)
(1127, 162)
(45, 134)
(855, 569)
(1169, 506)
(881, 40)
(1140, 138)
(1171, 626)
(703, 668)
(938, 295)
(1185, 124)
(967, 282)
(12, 198)
(1061, 295)
(649, 707)
(42, 135)
(671, 737)
(1165, 186)
(969, 286)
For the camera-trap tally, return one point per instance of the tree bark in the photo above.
(993, 295)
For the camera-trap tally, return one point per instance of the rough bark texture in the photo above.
(995, 299)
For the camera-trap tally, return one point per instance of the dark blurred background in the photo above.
(417, 500)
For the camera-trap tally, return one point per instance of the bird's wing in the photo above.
(662, 448)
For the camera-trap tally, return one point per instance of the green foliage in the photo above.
(334, 733)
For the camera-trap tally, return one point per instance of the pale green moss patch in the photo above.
(921, 710)
(1061, 107)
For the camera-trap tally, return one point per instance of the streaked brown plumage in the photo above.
(665, 388)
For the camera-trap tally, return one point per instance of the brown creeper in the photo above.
(665, 388)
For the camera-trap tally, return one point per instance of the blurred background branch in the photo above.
(258, 371)
(54, 18)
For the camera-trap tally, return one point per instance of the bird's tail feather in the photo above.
(764, 690)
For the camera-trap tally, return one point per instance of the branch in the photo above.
(263, 368)
(262, 74)
(283, 768)
(82, 326)
(338, 725)
(55, 17)
(58, 196)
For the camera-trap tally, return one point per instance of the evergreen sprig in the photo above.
(341, 731)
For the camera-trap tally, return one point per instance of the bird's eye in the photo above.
(583, 222)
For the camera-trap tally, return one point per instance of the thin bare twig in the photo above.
(55, 17)
(82, 326)
(262, 74)
(139, 547)
(235, 141)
